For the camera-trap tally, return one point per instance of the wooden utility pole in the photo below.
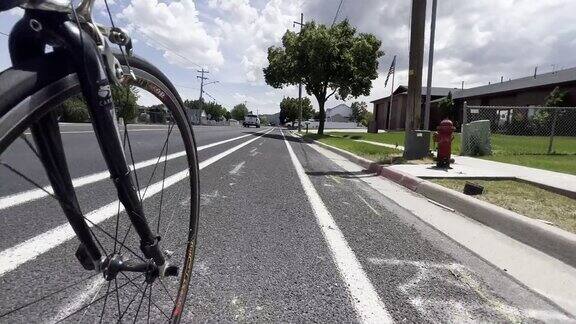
(414, 104)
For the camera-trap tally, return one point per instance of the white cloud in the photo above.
(248, 35)
(176, 30)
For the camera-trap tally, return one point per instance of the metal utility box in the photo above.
(417, 144)
(476, 138)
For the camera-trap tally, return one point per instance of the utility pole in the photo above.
(413, 113)
(301, 23)
(430, 67)
(202, 78)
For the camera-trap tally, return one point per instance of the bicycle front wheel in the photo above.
(41, 277)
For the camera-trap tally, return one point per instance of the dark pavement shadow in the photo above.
(343, 174)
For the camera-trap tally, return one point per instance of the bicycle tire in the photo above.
(29, 91)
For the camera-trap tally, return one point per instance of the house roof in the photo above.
(546, 79)
(435, 92)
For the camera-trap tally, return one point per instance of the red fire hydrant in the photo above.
(443, 136)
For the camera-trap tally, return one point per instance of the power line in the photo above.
(209, 95)
(185, 87)
(2, 33)
(337, 13)
(168, 48)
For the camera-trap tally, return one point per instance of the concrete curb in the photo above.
(549, 239)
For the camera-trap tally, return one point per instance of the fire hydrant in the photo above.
(443, 136)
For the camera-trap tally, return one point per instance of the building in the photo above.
(395, 118)
(340, 113)
(526, 91)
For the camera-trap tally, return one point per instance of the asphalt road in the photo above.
(285, 235)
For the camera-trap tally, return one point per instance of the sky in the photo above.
(477, 41)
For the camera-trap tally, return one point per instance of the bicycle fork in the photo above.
(96, 90)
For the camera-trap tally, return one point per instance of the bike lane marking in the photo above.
(366, 301)
(30, 249)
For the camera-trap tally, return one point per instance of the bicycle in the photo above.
(156, 253)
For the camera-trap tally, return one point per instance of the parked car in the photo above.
(251, 120)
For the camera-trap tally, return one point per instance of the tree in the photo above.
(215, 110)
(193, 104)
(227, 115)
(359, 110)
(446, 107)
(264, 121)
(74, 110)
(327, 60)
(366, 118)
(290, 110)
(125, 98)
(556, 98)
(239, 111)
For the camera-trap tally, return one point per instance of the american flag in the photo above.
(390, 71)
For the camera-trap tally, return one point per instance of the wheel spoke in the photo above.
(105, 302)
(163, 178)
(132, 158)
(48, 295)
(153, 303)
(164, 147)
(131, 301)
(140, 304)
(93, 302)
(166, 290)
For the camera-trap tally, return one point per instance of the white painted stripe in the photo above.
(121, 130)
(368, 305)
(30, 249)
(34, 194)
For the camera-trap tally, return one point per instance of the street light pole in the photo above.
(430, 67)
(301, 23)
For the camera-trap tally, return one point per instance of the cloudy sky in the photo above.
(476, 41)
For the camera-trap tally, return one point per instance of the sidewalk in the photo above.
(469, 167)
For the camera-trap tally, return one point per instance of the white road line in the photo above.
(34, 194)
(368, 305)
(121, 130)
(30, 249)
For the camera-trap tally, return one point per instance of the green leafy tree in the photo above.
(215, 110)
(290, 109)
(239, 111)
(125, 98)
(74, 110)
(556, 98)
(327, 60)
(366, 118)
(446, 107)
(227, 115)
(359, 110)
(193, 104)
(264, 121)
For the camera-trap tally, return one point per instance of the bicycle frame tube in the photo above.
(56, 29)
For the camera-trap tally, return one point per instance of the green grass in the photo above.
(528, 151)
(375, 153)
(524, 199)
